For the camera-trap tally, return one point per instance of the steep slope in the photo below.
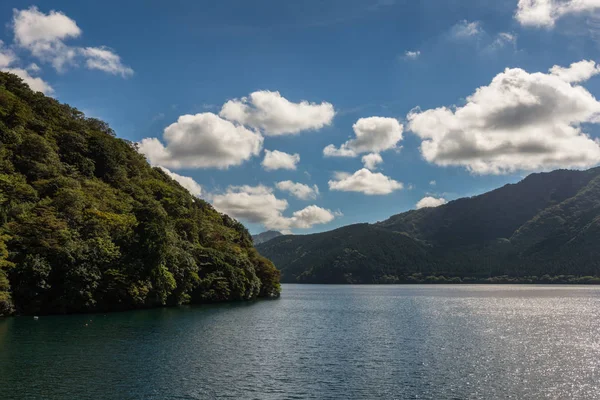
(547, 224)
(496, 214)
(86, 224)
(265, 236)
(359, 253)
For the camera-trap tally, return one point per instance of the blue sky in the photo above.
(143, 66)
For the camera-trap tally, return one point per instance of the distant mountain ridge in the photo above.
(265, 236)
(546, 224)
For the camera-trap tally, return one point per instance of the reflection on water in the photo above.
(320, 342)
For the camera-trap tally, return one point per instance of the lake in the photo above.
(319, 342)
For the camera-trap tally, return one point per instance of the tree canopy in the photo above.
(87, 224)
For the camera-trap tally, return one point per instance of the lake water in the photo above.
(319, 342)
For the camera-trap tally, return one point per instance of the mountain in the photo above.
(543, 227)
(86, 224)
(265, 236)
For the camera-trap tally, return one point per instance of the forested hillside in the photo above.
(545, 228)
(86, 224)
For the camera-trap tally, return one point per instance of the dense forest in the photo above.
(545, 228)
(87, 225)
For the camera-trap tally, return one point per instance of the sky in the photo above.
(309, 115)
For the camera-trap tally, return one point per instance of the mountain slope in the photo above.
(265, 236)
(360, 253)
(548, 223)
(86, 224)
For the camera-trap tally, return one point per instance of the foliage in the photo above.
(87, 225)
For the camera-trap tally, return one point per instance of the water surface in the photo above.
(319, 342)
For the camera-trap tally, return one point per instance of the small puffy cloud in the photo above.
(258, 204)
(7, 57)
(275, 115)
(372, 135)
(545, 13)
(279, 160)
(104, 59)
(432, 183)
(299, 190)
(7, 61)
(520, 121)
(430, 202)
(412, 55)
(577, 72)
(202, 141)
(44, 36)
(187, 182)
(371, 161)
(465, 29)
(364, 181)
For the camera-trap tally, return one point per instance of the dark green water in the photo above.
(319, 342)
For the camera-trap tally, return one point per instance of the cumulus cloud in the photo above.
(364, 181)
(202, 141)
(44, 36)
(465, 29)
(545, 13)
(432, 183)
(372, 135)
(7, 64)
(104, 59)
(279, 160)
(430, 202)
(275, 115)
(299, 190)
(258, 204)
(187, 182)
(577, 72)
(371, 161)
(520, 121)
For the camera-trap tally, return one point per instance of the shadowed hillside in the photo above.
(547, 224)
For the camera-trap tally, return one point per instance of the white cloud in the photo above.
(432, 183)
(44, 36)
(371, 161)
(187, 182)
(36, 84)
(412, 55)
(258, 204)
(521, 121)
(279, 160)
(502, 40)
(7, 60)
(275, 115)
(364, 181)
(545, 13)
(104, 59)
(430, 202)
(465, 29)
(372, 135)
(299, 190)
(577, 72)
(7, 57)
(202, 141)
